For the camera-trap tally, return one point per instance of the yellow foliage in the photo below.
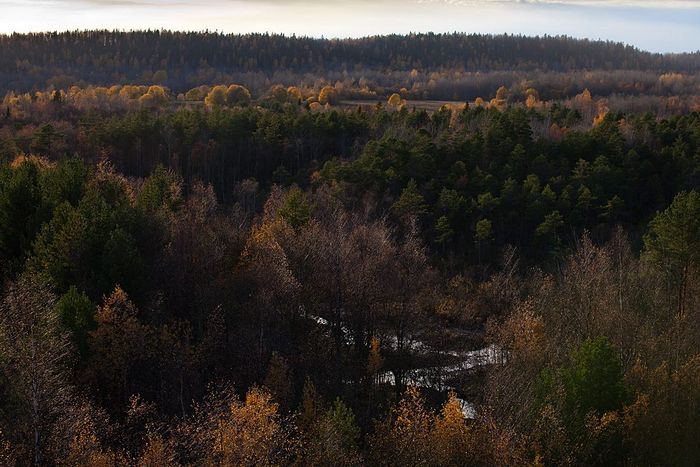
(130, 91)
(395, 100)
(531, 102)
(405, 440)
(85, 450)
(154, 97)
(39, 161)
(585, 97)
(523, 333)
(583, 102)
(412, 419)
(278, 93)
(328, 95)
(451, 437)
(501, 100)
(251, 435)
(217, 96)
(603, 111)
(157, 453)
(669, 79)
(498, 104)
(197, 94)
(237, 95)
(263, 240)
(673, 104)
(294, 94)
(502, 93)
(532, 92)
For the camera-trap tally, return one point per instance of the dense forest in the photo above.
(308, 273)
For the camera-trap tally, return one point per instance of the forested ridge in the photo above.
(318, 273)
(182, 60)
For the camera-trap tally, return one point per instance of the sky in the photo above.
(654, 25)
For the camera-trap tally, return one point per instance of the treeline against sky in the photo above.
(180, 61)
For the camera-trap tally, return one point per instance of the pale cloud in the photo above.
(661, 4)
(642, 4)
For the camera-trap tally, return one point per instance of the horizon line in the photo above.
(350, 38)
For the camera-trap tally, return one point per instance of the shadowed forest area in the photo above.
(423, 250)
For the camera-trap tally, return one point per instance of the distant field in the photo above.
(430, 106)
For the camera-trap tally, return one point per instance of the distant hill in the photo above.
(185, 59)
